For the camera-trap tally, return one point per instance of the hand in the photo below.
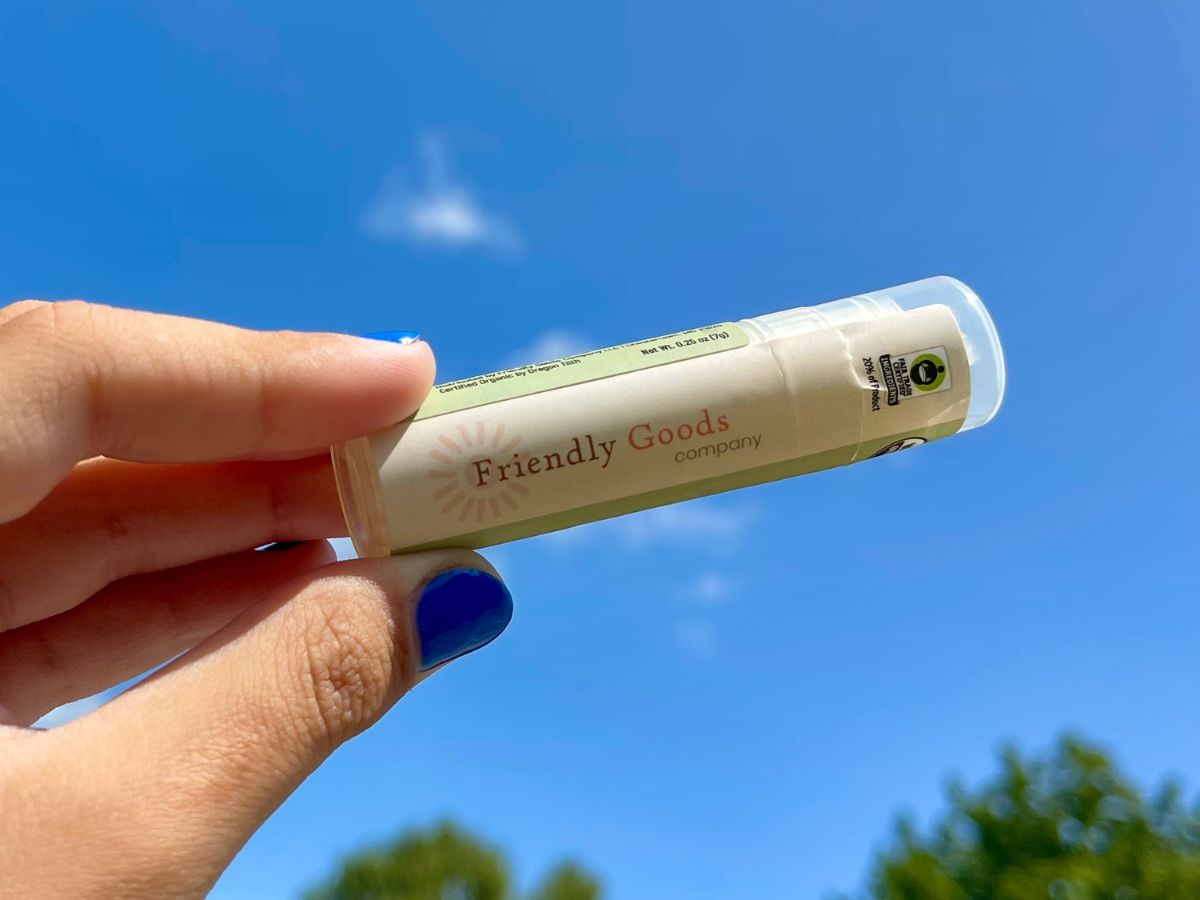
(142, 458)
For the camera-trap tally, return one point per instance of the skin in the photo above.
(142, 458)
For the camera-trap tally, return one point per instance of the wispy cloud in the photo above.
(711, 589)
(554, 343)
(705, 522)
(433, 209)
(707, 525)
(696, 632)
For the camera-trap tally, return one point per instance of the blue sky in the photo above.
(735, 696)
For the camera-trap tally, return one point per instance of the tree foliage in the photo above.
(1065, 827)
(445, 862)
(568, 881)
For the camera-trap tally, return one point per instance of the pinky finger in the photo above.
(136, 624)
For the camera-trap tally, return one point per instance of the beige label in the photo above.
(845, 393)
(553, 374)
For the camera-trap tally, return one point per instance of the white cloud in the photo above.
(707, 525)
(702, 521)
(711, 589)
(435, 210)
(552, 344)
(697, 633)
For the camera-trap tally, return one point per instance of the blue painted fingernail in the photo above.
(459, 611)
(396, 337)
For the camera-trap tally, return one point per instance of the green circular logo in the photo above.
(927, 372)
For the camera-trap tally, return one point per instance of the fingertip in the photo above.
(387, 379)
(408, 573)
(328, 388)
(455, 599)
(460, 610)
(396, 337)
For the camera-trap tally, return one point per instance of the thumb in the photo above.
(195, 759)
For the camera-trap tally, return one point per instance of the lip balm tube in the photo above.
(551, 445)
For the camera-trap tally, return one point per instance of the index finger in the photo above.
(79, 380)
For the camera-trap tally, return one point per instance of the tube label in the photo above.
(622, 429)
(518, 381)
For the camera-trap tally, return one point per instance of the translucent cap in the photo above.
(982, 343)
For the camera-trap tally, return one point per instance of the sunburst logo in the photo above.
(457, 486)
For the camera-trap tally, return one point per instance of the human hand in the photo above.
(142, 458)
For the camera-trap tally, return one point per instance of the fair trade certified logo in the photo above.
(457, 485)
(913, 374)
(927, 371)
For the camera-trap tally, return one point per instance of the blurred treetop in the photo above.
(445, 862)
(1065, 827)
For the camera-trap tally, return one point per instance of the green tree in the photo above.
(568, 881)
(445, 862)
(1065, 827)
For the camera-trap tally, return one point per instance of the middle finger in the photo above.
(110, 519)
(136, 624)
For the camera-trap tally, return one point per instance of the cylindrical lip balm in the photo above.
(555, 444)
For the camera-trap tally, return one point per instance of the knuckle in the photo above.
(73, 310)
(18, 308)
(74, 330)
(39, 362)
(60, 317)
(56, 331)
(352, 662)
(51, 320)
(64, 329)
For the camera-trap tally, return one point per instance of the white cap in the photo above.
(984, 354)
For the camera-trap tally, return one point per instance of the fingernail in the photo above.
(280, 546)
(459, 611)
(395, 337)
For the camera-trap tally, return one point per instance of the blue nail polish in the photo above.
(396, 337)
(460, 611)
